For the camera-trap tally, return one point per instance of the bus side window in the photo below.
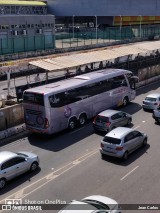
(53, 100)
(124, 83)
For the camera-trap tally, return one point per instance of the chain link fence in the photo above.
(18, 44)
(73, 37)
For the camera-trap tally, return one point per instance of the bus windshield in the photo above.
(33, 98)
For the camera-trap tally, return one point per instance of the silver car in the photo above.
(122, 141)
(92, 204)
(151, 102)
(14, 164)
(110, 119)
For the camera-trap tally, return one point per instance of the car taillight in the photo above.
(46, 123)
(94, 121)
(119, 148)
(102, 145)
(108, 124)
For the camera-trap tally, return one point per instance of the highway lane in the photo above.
(74, 169)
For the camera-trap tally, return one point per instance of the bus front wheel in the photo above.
(72, 124)
(125, 101)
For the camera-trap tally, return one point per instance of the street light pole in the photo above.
(9, 81)
(96, 28)
(120, 27)
(73, 25)
(140, 26)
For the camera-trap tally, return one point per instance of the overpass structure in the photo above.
(109, 12)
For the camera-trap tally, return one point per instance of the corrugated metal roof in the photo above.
(74, 60)
(17, 2)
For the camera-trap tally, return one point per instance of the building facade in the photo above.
(25, 26)
(108, 11)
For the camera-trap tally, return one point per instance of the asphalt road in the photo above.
(71, 166)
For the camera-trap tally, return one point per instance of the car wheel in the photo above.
(34, 167)
(144, 142)
(129, 122)
(125, 156)
(82, 119)
(72, 124)
(125, 101)
(102, 156)
(158, 120)
(2, 183)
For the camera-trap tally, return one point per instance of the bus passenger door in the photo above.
(116, 97)
(102, 102)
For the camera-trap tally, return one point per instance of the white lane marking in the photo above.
(136, 127)
(143, 121)
(14, 143)
(19, 194)
(51, 176)
(129, 173)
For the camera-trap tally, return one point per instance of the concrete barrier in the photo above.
(12, 131)
(11, 116)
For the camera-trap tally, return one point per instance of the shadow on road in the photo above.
(131, 158)
(61, 140)
(132, 108)
(19, 180)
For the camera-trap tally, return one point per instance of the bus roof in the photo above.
(77, 80)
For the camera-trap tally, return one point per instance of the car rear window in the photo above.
(150, 99)
(102, 119)
(111, 140)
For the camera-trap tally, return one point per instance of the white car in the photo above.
(122, 141)
(92, 204)
(151, 102)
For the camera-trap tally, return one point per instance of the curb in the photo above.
(12, 131)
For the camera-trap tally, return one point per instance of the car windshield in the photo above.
(97, 204)
(21, 154)
(111, 140)
(80, 207)
(150, 99)
(102, 119)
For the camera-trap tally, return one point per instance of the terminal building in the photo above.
(107, 12)
(25, 26)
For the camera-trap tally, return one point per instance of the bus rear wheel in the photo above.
(82, 119)
(72, 124)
